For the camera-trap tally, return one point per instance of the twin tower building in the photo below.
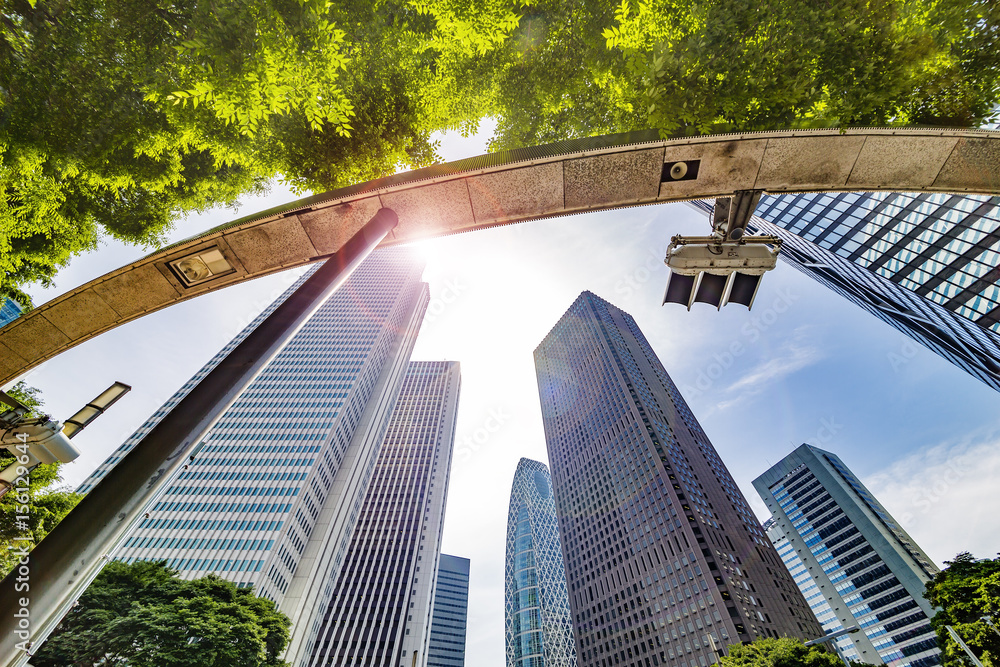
(324, 488)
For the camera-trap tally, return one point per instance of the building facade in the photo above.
(450, 618)
(865, 565)
(926, 264)
(821, 609)
(539, 626)
(380, 612)
(273, 494)
(665, 561)
(10, 310)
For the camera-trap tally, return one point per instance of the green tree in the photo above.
(700, 66)
(116, 116)
(784, 652)
(26, 516)
(751, 65)
(965, 591)
(143, 615)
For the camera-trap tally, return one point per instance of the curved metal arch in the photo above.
(592, 174)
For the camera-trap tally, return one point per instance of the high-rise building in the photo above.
(451, 612)
(926, 264)
(864, 564)
(10, 310)
(274, 491)
(539, 626)
(665, 561)
(821, 609)
(380, 612)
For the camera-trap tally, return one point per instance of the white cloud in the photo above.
(792, 357)
(945, 496)
(789, 358)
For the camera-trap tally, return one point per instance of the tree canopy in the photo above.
(965, 592)
(784, 652)
(118, 116)
(143, 615)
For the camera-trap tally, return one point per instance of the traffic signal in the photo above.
(708, 270)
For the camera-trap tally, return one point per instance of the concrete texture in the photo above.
(516, 193)
(885, 160)
(808, 163)
(330, 228)
(271, 245)
(619, 178)
(431, 210)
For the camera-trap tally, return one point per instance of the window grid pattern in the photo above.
(665, 562)
(539, 625)
(905, 299)
(451, 611)
(810, 591)
(380, 610)
(818, 528)
(10, 310)
(247, 504)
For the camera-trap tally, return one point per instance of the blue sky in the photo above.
(804, 366)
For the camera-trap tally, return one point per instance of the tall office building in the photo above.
(272, 497)
(10, 310)
(665, 561)
(844, 646)
(380, 612)
(451, 613)
(926, 264)
(539, 626)
(868, 569)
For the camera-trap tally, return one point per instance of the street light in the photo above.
(35, 440)
(832, 637)
(964, 647)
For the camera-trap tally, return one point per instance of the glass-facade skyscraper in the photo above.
(868, 569)
(10, 310)
(539, 626)
(380, 612)
(821, 609)
(927, 264)
(274, 491)
(665, 561)
(451, 613)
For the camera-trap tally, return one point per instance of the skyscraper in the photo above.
(380, 612)
(10, 310)
(821, 609)
(539, 626)
(451, 612)
(926, 264)
(272, 496)
(665, 561)
(868, 569)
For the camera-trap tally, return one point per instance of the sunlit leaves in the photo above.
(283, 63)
(965, 592)
(738, 64)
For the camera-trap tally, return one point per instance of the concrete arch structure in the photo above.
(577, 176)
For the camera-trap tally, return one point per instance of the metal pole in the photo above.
(840, 655)
(989, 622)
(954, 635)
(832, 639)
(38, 593)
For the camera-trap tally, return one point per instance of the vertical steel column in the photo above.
(67, 560)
